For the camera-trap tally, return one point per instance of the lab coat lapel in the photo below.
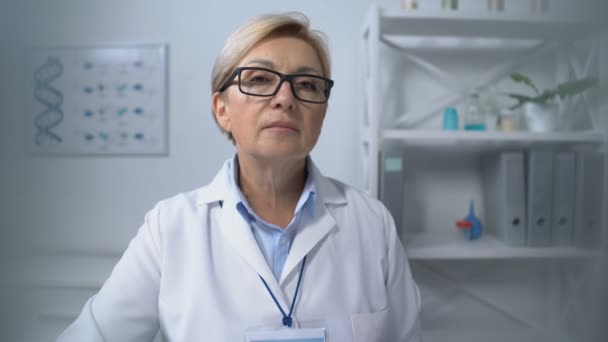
(237, 233)
(310, 235)
(307, 238)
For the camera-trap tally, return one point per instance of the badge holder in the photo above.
(287, 335)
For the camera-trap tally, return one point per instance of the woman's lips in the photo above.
(282, 127)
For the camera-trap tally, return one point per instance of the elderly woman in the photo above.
(270, 250)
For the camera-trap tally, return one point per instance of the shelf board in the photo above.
(490, 139)
(433, 247)
(490, 25)
(460, 43)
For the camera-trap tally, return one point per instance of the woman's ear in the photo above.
(218, 103)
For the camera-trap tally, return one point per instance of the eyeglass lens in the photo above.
(265, 83)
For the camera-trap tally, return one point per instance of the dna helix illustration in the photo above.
(51, 98)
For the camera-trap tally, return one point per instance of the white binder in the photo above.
(504, 196)
(589, 199)
(539, 183)
(564, 189)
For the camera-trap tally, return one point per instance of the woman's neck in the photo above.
(273, 188)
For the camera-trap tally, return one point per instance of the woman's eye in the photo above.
(307, 85)
(259, 79)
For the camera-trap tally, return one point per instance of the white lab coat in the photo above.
(192, 271)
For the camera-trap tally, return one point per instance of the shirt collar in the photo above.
(306, 198)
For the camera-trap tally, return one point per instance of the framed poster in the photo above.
(97, 100)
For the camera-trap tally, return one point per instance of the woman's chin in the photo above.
(279, 153)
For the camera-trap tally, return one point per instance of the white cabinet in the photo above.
(416, 63)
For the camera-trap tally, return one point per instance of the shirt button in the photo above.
(283, 241)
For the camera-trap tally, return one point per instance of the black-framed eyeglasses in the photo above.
(257, 81)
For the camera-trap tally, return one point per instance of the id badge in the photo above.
(287, 335)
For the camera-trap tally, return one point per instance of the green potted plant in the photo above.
(541, 110)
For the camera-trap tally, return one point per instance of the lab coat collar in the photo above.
(219, 188)
(239, 234)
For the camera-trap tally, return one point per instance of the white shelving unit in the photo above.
(420, 30)
(409, 32)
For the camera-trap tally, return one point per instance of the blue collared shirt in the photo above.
(274, 242)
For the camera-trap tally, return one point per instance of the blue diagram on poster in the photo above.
(97, 100)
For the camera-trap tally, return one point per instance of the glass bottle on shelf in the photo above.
(473, 116)
(509, 120)
(450, 119)
(410, 4)
(490, 109)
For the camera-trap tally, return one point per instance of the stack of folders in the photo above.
(542, 198)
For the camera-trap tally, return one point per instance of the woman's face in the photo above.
(279, 127)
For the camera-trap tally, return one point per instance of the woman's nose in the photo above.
(284, 98)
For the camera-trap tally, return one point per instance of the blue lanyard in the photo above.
(287, 321)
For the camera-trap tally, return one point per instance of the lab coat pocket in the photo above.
(370, 327)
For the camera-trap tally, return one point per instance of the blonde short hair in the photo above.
(262, 28)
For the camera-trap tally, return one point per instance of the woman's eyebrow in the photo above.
(265, 62)
(306, 69)
(269, 64)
